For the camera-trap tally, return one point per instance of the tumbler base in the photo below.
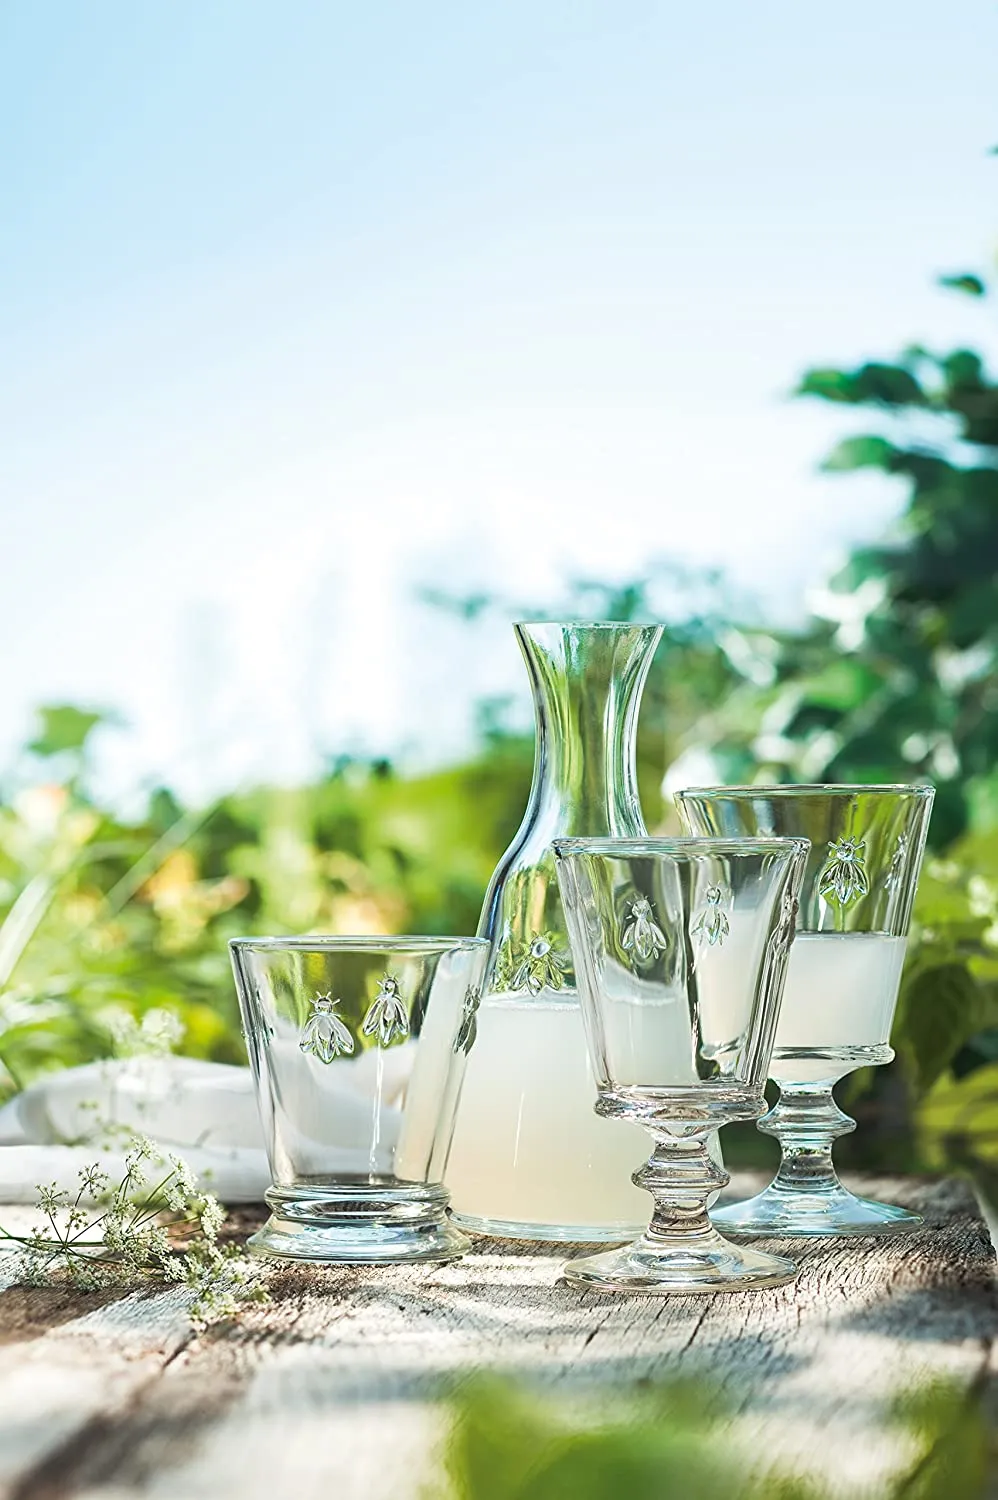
(794, 1213)
(370, 1224)
(681, 1266)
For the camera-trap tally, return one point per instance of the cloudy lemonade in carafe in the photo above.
(529, 1155)
(529, 1148)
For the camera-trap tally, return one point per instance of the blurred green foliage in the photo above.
(102, 916)
(677, 1441)
(893, 679)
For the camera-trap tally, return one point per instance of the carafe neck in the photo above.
(587, 682)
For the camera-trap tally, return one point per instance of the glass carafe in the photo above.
(530, 1158)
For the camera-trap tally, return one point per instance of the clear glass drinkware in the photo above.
(358, 1047)
(529, 1158)
(842, 986)
(681, 951)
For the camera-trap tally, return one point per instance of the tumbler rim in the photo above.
(765, 844)
(816, 788)
(360, 943)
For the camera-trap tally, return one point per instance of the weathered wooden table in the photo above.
(332, 1390)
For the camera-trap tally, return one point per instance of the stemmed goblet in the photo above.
(842, 985)
(680, 950)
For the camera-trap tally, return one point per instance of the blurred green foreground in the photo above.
(676, 1442)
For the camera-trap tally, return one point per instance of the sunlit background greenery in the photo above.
(894, 679)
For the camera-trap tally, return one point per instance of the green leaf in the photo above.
(830, 385)
(942, 1008)
(954, 1439)
(62, 728)
(888, 385)
(860, 453)
(963, 367)
(958, 1120)
(877, 384)
(506, 1444)
(971, 285)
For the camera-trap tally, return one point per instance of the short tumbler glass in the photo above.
(680, 951)
(358, 1046)
(842, 985)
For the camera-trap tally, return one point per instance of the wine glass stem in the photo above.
(806, 1122)
(681, 1175)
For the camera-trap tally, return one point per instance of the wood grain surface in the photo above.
(333, 1389)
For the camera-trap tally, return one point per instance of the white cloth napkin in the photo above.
(203, 1111)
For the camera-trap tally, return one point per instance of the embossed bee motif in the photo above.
(711, 925)
(264, 1028)
(502, 974)
(844, 876)
(387, 1018)
(893, 876)
(642, 936)
(324, 1035)
(467, 1029)
(541, 967)
(787, 927)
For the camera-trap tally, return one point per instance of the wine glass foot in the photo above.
(679, 1265)
(798, 1213)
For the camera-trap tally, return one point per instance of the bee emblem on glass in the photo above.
(711, 925)
(467, 1029)
(898, 858)
(543, 966)
(642, 936)
(784, 935)
(387, 1019)
(844, 876)
(324, 1034)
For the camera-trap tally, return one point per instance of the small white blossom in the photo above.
(212, 1217)
(93, 1181)
(52, 1198)
(181, 1185)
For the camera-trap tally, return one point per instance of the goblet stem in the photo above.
(681, 1176)
(681, 1250)
(805, 1197)
(806, 1121)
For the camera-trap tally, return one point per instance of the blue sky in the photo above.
(302, 306)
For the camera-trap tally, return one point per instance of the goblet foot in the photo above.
(679, 1265)
(806, 1198)
(801, 1213)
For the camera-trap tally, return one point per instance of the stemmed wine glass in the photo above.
(842, 985)
(680, 950)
